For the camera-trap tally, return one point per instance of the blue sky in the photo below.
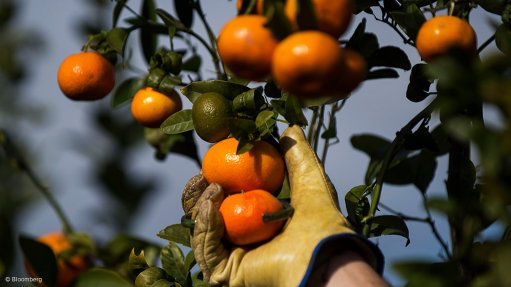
(378, 107)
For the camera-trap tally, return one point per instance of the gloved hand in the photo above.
(316, 231)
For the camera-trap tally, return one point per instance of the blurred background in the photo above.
(94, 158)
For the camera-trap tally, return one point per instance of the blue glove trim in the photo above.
(354, 240)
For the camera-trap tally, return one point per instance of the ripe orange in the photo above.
(67, 270)
(354, 71)
(243, 216)
(307, 64)
(257, 9)
(86, 76)
(440, 34)
(150, 107)
(246, 47)
(262, 167)
(334, 17)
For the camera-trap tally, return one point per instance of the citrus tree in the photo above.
(280, 63)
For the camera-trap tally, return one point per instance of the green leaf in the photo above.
(100, 277)
(357, 204)
(331, 131)
(116, 39)
(117, 250)
(137, 263)
(249, 102)
(388, 225)
(190, 260)
(420, 139)
(228, 89)
(184, 10)
(389, 56)
(172, 259)
(244, 130)
(176, 233)
(178, 123)
(382, 74)
(41, 258)
(492, 6)
(148, 39)
(503, 38)
(171, 22)
(265, 122)
(419, 84)
(150, 276)
(183, 143)
(126, 90)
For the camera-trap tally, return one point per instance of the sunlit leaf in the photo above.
(172, 259)
(178, 123)
(176, 233)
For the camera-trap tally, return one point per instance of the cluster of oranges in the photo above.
(308, 63)
(88, 76)
(249, 179)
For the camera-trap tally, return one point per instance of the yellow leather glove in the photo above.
(316, 231)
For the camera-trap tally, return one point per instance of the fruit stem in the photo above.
(389, 156)
(11, 151)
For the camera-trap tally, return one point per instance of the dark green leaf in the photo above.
(41, 258)
(176, 233)
(116, 39)
(150, 276)
(119, 6)
(418, 170)
(100, 277)
(245, 131)
(306, 15)
(148, 39)
(171, 22)
(271, 90)
(382, 74)
(192, 64)
(172, 259)
(426, 274)
(227, 89)
(492, 6)
(183, 143)
(374, 146)
(362, 42)
(418, 87)
(126, 90)
(503, 38)
(178, 123)
(331, 131)
(117, 250)
(419, 139)
(184, 10)
(278, 22)
(410, 20)
(389, 56)
(294, 112)
(388, 225)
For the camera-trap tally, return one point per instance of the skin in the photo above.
(346, 269)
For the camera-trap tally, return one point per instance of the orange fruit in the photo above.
(67, 269)
(243, 217)
(354, 71)
(257, 9)
(334, 17)
(246, 47)
(262, 167)
(86, 76)
(440, 34)
(307, 64)
(151, 108)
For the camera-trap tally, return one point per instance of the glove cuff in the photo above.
(336, 244)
